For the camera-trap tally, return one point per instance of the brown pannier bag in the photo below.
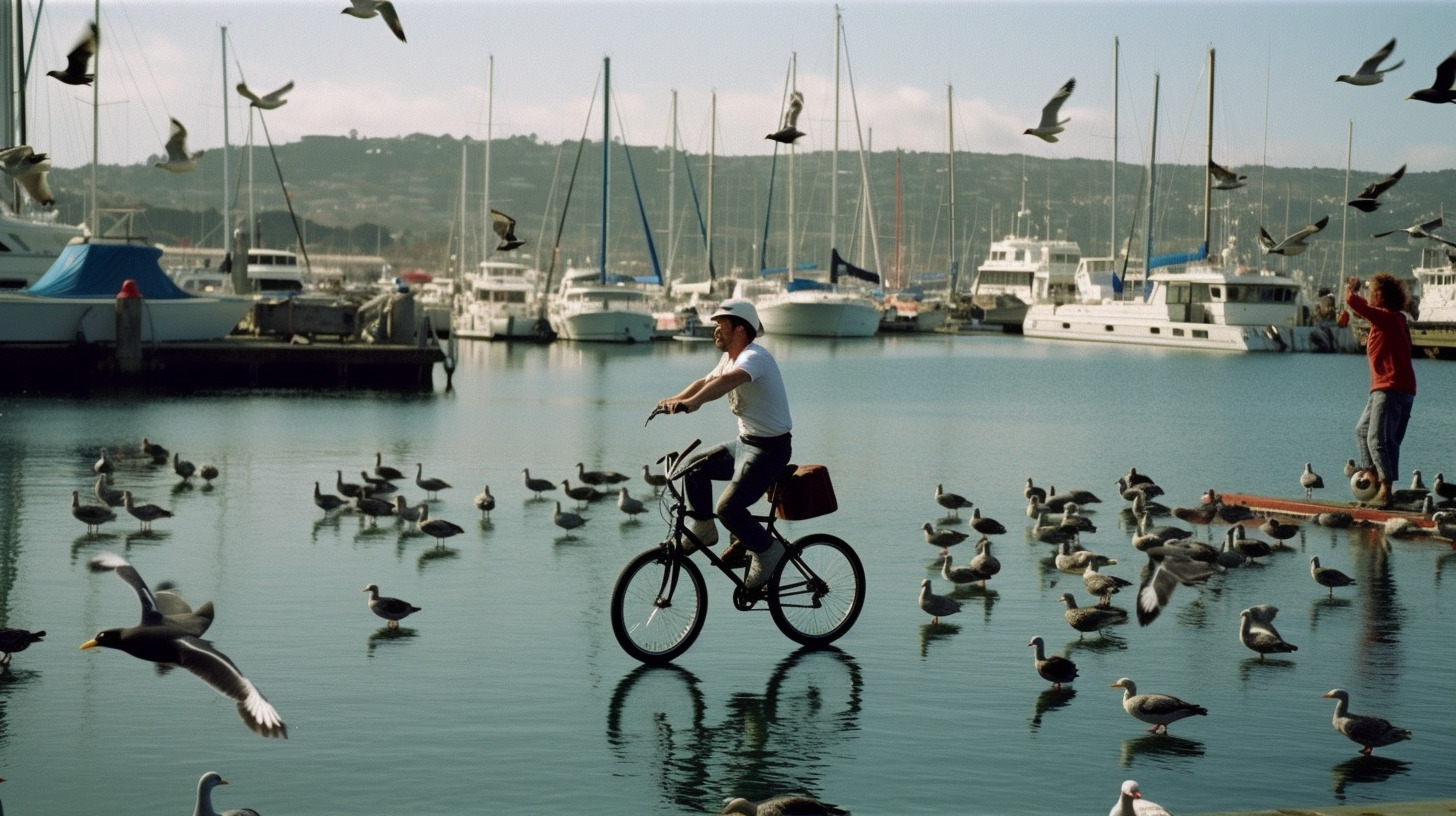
(803, 492)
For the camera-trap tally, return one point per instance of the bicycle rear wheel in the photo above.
(658, 609)
(819, 592)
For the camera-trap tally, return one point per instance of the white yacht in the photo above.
(29, 244)
(500, 302)
(1018, 272)
(1434, 330)
(274, 272)
(1202, 307)
(614, 310)
(810, 308)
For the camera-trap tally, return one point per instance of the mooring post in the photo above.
(129, 304)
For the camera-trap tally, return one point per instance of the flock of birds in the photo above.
(1174, 557)
(1369, 73)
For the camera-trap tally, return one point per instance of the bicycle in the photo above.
(660, 601)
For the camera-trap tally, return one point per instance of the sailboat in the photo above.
(813, 308)
(1208, 305)
(593, 304)
(30, 239)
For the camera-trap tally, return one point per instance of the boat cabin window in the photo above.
(1177, 293)
(1065, 258)
(1000, 277)
(276, 285)
(998, 255)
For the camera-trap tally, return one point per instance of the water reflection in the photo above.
(767, 743)
(389, 634)
(931, 632)
(1162, 749)
(439, 552)
(1442, 561)
(1105, 642)
(1365, 769)
(1050, 700)
(975, 593)
(1268, 665)
(1377, 649)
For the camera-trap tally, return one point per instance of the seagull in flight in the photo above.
(1224, 178)
(1370, 72)
(1367, 201)
(1049, 127)
(364, 9)
(29, 168)
(1440, 90)
(505, 229)
(790, 132)
(79, 59)
(1414, 230)
(1294, 244)
(267, 101)
(178, 159)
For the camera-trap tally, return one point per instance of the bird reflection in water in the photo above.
(1160, 748)
(145, 537)
(1249, 666)
(1362, 769)
(329, 521)
(935, 631)
(1442, 561)
(1322, 606)
(1107, 642)
(972, 593)
(390, 634)
(439, 552)
(1050, 700)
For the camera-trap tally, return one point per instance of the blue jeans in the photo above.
(1381, 429)
(759, 463)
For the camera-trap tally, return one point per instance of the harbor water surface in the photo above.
(508, 692)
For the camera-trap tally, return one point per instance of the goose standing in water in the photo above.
(1075, 562)
(1250, 548)
(484, 502)
(657, 480)
(1090, 618)
(384, 471)
(109, 496)
(584, 494)
(405, 513)
(1328, 576)
(1131, 803)
(326, 502)
(629, 505)
(1369, 731)
(145, 513)
(597, 478)
(985, 525)
(566, 520)
(182, 467)
(1102, 586)
(103, 466)
(156, 453)
(92, 515)
(393, 610)
(210, 780)
(208, 471)
(942, 537)
(1159, 709)
(951, 501)
(936, 606)
(430, 485)
(349, 489)
(1256, 631)
(1310, 481)
(1280, 530)
(537, 486)
(1055, 669)
(438, 529)
(984, 562)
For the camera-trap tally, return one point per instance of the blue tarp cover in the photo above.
(98, 270)
(806, 285)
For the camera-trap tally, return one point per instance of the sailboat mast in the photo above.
(227, 200)
(606, 159)
(834, 156)
(1152, 189)
(95, 118)
(672, 191)
(1345, 211)
(486, 225)
(793, 86)
(1113, 218)
(460, 244)
(712, 154)
(950, 172)
(1207, 176)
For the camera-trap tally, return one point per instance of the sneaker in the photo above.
(762, 565)
(705, 530)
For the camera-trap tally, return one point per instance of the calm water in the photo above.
(508, 690)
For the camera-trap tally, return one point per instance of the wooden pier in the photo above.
(1305, 508)
(235, 362)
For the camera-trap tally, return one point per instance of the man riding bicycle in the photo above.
(749, 377)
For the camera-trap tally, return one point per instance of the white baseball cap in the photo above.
(740, 308)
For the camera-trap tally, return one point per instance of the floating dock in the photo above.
(1305, 508)
(235, 362)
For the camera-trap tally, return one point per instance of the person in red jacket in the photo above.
(1392, 377)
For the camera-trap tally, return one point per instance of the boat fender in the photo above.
(1364, 485)
(1273, 334)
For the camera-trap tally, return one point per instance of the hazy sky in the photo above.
(1275, 97)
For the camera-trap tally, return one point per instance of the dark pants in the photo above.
(1381, 429)
(760, 461)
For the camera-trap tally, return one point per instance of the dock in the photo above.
(1306, 508)
(234, 362)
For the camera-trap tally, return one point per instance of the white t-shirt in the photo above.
(761, 404)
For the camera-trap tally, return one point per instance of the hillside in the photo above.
(400, 197)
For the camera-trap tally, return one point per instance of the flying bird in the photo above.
(29, 168)
(267, 101)
(79, 60)
(178, 159)
(364, 9)
(505, 229)
(1049, 127)
(1419, 231)
(790, 133)
(1440, 90)
(1294, 244)
(1367, 201)
(1224, 178)
(170, 634)
(1370, 72)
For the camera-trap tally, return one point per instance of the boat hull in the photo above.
(608, 326)
(28, 318)
(1132, 324)
(819, 318)
(504, 327)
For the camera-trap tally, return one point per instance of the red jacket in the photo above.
(1388, 347)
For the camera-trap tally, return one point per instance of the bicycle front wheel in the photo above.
(819, 591)
(658, 606)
